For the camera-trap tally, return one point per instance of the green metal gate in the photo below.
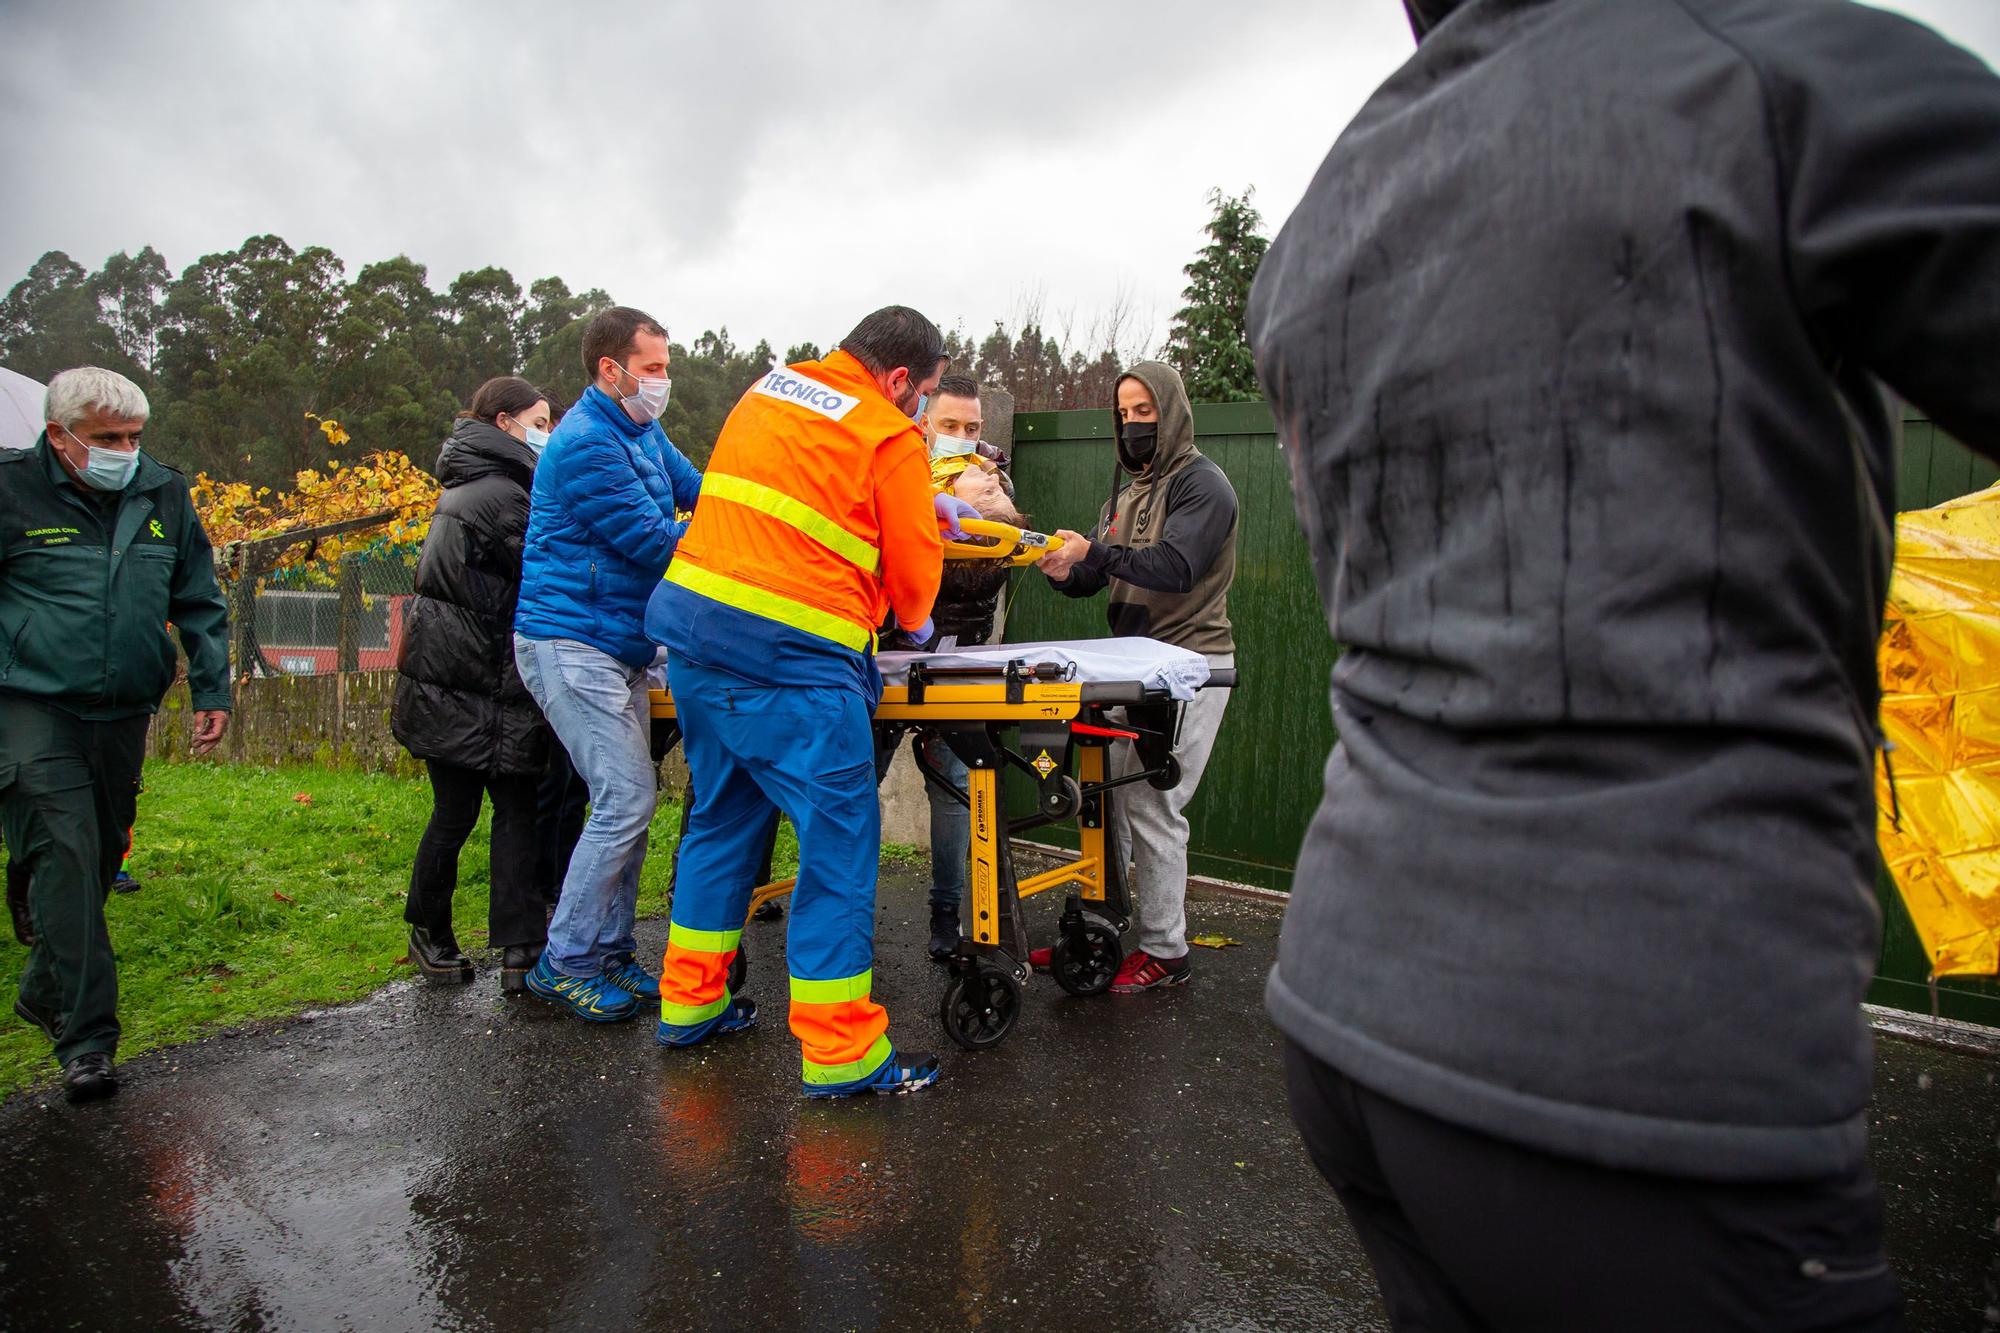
(1264, 781)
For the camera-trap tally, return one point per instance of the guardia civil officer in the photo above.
(100, 550)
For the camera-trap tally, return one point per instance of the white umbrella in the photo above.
(20, 410)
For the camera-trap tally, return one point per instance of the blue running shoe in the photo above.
(740, 1013)
(629, 977)
(593, 999)
(898, 1074)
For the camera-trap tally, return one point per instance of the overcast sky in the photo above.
(778, 167)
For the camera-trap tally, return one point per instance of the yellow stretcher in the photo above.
(1037, 721)
(1000, 541)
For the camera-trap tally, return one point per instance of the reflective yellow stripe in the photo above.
(703, 941)
(878, 1055)
(687, 1015)
(793, 513)
(770, 605)
(832, 992)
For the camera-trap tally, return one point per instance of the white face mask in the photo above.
(106, 469)
(950, 446)
(649, 401)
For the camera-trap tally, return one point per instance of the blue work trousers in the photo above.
(808, 751)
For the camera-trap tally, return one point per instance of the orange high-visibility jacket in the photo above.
(816, 509)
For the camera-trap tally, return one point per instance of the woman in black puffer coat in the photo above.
(460, 705)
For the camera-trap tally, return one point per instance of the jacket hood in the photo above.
(1427, 14)
(1176, 447)
(477, 449)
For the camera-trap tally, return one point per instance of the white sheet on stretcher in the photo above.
(1155, 665)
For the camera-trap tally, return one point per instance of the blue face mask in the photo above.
(537, 441)
(108, 469)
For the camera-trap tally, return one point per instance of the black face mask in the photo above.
(1138, 441)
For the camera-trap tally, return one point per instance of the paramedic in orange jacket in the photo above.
(816, 522)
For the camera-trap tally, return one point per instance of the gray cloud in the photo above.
(778, 167)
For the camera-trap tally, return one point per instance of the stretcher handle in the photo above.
(1012, 545)
(1221, 678)
(1049, 671)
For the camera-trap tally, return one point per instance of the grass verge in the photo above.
(269, 891)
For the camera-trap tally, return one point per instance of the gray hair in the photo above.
(73, 393)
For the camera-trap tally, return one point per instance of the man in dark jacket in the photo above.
(967, 602)
(100, 548)
(1166, 548)
(602, 526)
(1571, 344)
(460, 705)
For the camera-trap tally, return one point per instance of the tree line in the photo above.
(245, 353)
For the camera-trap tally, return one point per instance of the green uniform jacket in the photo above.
(86, 592)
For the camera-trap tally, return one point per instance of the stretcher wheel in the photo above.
(1169, 776)
(739, 968)
(979, 1008)
(1085, 961)
(1065, 800)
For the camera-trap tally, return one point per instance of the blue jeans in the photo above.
(601, 714)
(951, 829)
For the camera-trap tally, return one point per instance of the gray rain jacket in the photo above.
(1573, 345)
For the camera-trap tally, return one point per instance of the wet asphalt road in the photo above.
(439, 1158)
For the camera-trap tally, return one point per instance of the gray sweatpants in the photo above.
(1151, 833)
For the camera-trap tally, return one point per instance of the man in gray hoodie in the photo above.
(1573, 345)
(1165, 547)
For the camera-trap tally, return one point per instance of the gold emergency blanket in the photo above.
(1940, 663)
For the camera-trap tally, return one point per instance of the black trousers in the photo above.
(514, 913)
(560, 799)
(69, 790)
(1471, 1232)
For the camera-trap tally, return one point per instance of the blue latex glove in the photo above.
(950, 510)
(923, 635)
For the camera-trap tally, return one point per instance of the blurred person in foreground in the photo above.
(100, 549)
(1573, 346)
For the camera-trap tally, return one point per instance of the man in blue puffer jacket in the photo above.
(601, 529)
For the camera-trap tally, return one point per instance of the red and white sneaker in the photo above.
(1141, 971)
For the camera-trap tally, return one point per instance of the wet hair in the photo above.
(958, 386)
(896, 337)
(612, 333)
(504, 393)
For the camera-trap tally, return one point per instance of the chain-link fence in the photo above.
(321, 616)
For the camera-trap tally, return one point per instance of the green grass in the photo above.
(258, 903)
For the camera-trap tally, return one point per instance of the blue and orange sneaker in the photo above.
(634, 980)
(593, 999)
(738, 1014)
(897, 1075)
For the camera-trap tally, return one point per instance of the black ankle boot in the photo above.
(438, 957)
(515, 964)
(944, 933)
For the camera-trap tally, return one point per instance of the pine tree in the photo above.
(1207, 342)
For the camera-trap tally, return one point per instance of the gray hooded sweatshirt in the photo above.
(1166, 544)
(1572, 345)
